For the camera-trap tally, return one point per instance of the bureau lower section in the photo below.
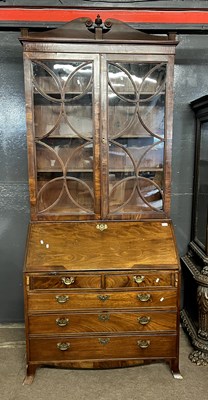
(78, 317)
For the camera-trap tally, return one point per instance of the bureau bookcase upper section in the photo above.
(99, 119)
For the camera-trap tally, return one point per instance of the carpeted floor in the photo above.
(146, 382)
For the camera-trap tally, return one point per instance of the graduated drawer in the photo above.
(65, 281)
(102, 348)
(102, 322)
(140, 279)
(103, 300)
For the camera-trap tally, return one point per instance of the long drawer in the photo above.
(105, 300)
(102, 348)
(102, 322)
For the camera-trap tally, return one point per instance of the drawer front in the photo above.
(103, 300)
(102, 348)
(102, 322)
(141, 279)
(65, 282)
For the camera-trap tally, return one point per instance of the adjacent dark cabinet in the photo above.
(195, 263)
(102, 275)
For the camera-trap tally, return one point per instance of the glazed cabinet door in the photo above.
(136, 131)
(63, 103)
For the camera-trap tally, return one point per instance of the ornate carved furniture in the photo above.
(101, 268)
(195, 263)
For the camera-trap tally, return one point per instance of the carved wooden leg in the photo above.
(175, 369)
(30, 374)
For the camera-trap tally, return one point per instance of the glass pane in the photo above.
(136, 109)
(202, 190)
(64, 136)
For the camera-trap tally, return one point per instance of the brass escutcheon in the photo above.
(104, 341)
(102, 227)
(63, 346)
(103, 297)
(68, 281)
(144, 296)
(62, 299)
(103, 317)
(144, 320)
(143, 344)
(139, 279)
(62, 322)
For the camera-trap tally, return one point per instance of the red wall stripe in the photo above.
(145, 16)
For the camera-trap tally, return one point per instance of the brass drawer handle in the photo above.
(144, 320)
(143, 344)
(103, 297)
(62, 299)
(104, 341)
(139, 279)
(62, 322)
(68, 281)
(144, 297)
(63, 346)
(103, 317)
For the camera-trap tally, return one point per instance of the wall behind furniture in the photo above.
(191, 81)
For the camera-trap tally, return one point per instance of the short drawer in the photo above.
(66, 281)
(102, 300)
(102, 322)
(102, 348)
(140, 279)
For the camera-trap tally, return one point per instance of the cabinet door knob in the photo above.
(143, 344)
(139, 279)
(144, 297)
(62, 299)
(144, 320)
(63, 346)
(68, 281)
(62, 322)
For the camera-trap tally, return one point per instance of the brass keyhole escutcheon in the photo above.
(103, 317)
(104, 341)
(103, 297)
(102, 227)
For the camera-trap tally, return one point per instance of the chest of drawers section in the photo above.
(101, 317)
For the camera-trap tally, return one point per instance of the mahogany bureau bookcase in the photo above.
(101, 268)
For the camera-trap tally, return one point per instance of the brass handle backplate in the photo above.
(62, 322)
(62, 299)
(144, 297)
(103, 297)
(103, 317)
(104, 341)
(143, 344)
(68, 281)
(139, 279)
(63, 346)
(102, 227)
(144, 320)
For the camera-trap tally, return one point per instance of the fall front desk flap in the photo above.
(100, 245)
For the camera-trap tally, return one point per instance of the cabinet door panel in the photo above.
(65, 137)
